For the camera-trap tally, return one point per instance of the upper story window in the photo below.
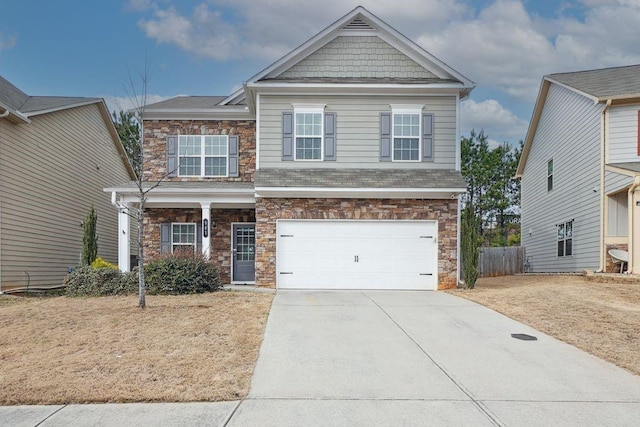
(550, 175)
(565, 238)
(203, 155)
(406, 136)
(308, 135)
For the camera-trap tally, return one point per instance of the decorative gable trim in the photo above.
(379, 28)
(358, 23)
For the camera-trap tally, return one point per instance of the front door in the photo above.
(244, 248)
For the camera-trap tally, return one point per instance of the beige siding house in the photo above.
(56, 155)
(336, 167)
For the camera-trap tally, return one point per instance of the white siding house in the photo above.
(580, 169)
(56, 155)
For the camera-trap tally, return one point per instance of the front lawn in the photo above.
(201, 347)
(600, 318)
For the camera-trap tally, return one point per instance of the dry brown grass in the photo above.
(180, 348)
(600, 318)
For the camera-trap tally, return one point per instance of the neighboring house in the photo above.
(56, 155)
(338, 166)
(580, 171)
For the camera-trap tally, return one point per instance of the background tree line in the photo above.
(492, 189)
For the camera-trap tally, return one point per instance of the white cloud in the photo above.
(497, 122)
(510, 49)
(268, 30)
(7, 42)
(125, 103)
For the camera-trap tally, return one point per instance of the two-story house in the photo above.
(580, 171)
(336, 167)
(56, 155)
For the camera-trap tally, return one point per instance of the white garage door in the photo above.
(353, 254)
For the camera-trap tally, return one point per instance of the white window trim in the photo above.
(405, 109)
(564, 239)
(550, 175)
(309, 109)
(195, 236)
(203, 156)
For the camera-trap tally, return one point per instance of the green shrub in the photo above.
(89, 281)
(181, 274)
(100, 263)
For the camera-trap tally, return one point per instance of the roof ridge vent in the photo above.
(357, 24)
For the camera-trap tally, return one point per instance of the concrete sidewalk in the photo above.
(392, 358)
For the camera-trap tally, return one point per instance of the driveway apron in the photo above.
(423, 358)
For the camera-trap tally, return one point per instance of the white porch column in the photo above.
(123, 239)
(206, 229)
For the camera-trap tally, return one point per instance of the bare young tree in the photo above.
(136, 90)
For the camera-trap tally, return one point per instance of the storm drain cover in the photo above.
(524, 337)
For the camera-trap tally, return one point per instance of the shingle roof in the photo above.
(188, 185)
(17, 100)
(603, 83)
(41, 103)
(630, 166)
(360, 178)
(11, 96)
(186, 102)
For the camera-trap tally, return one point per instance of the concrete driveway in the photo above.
(391, 358)
(423, 358)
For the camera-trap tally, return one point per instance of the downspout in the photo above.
(603, 138)
(631, 214)
(2, 116)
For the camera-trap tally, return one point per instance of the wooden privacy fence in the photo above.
(501, 261)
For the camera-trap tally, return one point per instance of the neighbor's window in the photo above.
(183, 237)
(565, 238)
(550, 175)
(203, 155)
(308, 135)
(406, 136)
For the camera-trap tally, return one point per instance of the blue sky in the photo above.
(208, 47)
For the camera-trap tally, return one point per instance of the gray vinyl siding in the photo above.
(353, 57)
(51, 171)
(623, 134)
(357, 130)
(614, 182)
(568, 133)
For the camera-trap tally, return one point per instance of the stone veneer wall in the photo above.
(220, 233)
(269, 210)
(155, 145)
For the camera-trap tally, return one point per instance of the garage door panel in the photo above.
(336, 254)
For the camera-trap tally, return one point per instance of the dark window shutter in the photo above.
(165, 238)
(233, 156)
(287, 136)
(172, 155)
(427, 137)
(638, 132)
(199, 237)
(330, 136)
(385, 137)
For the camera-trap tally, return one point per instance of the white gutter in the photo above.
(603, 138)
(631, 214)
(5, 114)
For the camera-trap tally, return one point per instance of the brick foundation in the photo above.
(220, 233)
(269, 210)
